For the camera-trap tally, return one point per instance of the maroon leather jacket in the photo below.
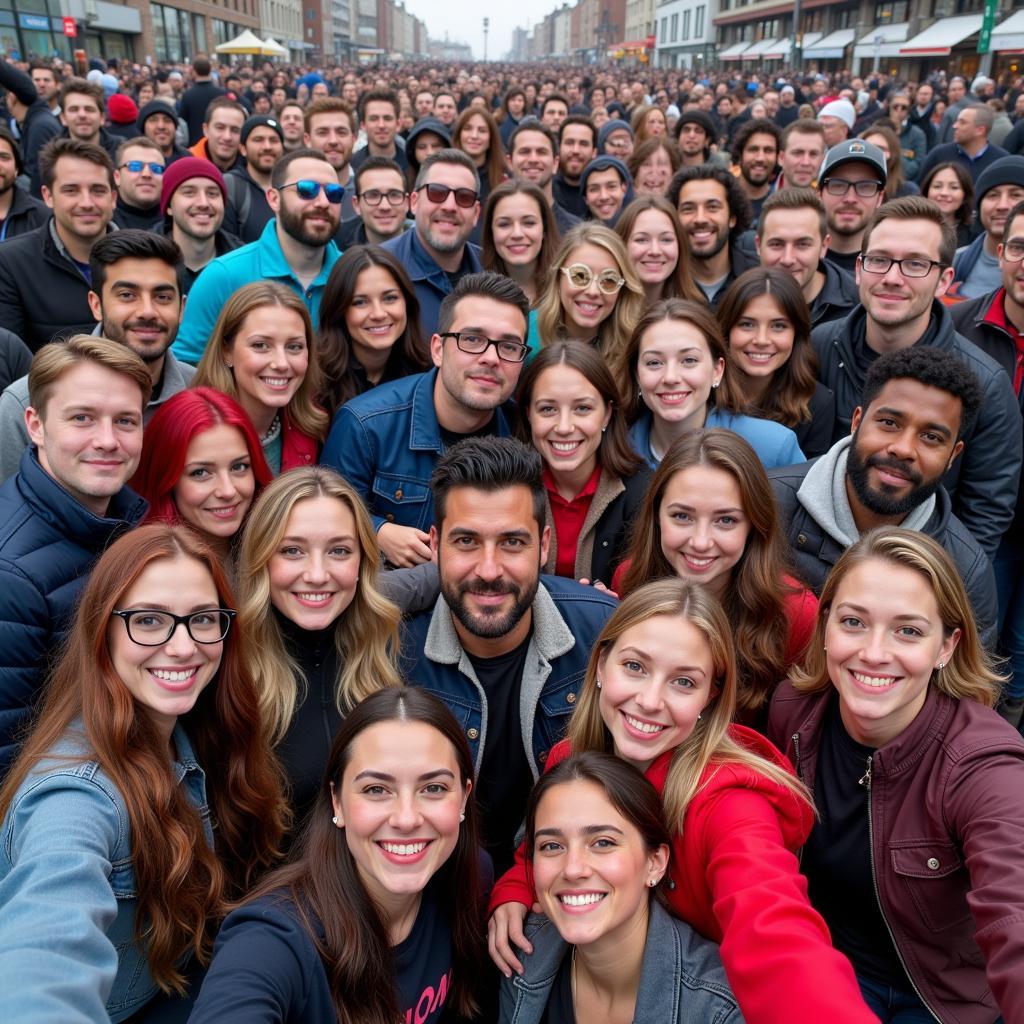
(947, 833)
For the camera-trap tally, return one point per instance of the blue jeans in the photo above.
(893, 1005)
(1009, 571)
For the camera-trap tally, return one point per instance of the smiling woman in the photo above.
(111, 876)
(261, 353)
(379, 917)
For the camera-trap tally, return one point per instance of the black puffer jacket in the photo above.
(815, 551)
(42, 292)
(983, 482)
(26, 214)
(15, 358)
(38, 128)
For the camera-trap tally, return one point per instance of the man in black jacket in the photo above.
(995, 323)
(83, 108)
(44, 274)
(19, 212)
(248, 210)
(138, 173)
(67, 502)
(903, 270)
(35, 122)
(918, 405)
(197, 98)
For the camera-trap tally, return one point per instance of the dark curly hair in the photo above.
(931, 366)
(739, 207)
(755, 126)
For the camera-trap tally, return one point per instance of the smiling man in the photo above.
(386, 441)
(138, 174)
(902, 273)
(66, 503)
(852, 186)
(445, 204)
(755, 151)
(909, 429)
(607, 189)
(713, 213)
(505, 647)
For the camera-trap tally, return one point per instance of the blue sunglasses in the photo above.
(307, 189)
(135, 166)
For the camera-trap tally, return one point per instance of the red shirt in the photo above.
(569, 517)
(996, 316)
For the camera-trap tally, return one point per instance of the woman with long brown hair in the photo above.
(649, 228)
(144, 798)
(379, 918)
(369, 329)
(770, 364)
(476, 134)
(261, 354)
(710, 516)
(883, 136)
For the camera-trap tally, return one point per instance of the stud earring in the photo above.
(599, 684)
(462, 817)
(698, 718)
(653, 882)
(335, 819)
(715, 384)
(941, 665)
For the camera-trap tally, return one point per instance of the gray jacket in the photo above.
(682, 980)
(14, 437)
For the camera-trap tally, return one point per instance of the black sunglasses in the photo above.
(464, 197)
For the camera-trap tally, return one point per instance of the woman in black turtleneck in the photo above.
(322, 636)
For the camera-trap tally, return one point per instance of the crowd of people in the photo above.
(510, 543)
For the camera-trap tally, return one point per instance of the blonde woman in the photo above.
(322, 636)
(261, 353)
(891, 718)
(594, 295)
(660, 692)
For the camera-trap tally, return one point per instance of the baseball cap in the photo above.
(854, 151)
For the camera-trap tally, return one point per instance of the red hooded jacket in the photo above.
(734, 877)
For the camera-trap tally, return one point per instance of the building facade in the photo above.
(685, 33)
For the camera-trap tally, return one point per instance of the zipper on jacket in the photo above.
(865, 780)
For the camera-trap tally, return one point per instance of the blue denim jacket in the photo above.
(682, 980)
(429, 281)
(386, 442)
(567, 620)
(68, 892)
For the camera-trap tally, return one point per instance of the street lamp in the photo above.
(487, 25)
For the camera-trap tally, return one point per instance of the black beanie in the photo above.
(1008, 170)
(697, 117)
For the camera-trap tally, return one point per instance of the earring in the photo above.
(230, 366)
(941, 665)
(715, 384)
(335, 819)
(599, 684)
(698, 717)
(462, 817)
(653, 882)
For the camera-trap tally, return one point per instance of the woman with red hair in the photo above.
(202, 464)
(145, 797)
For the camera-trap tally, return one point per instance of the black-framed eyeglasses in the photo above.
(436, 193)
(1013, 251)
(581, 276)
(136, 166)
(473, 344)
(151, 627)
(373, 196)
(912, 266)
(864, 189)
(308, 189)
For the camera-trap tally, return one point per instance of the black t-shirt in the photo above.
(450, 437)
(505, 778)
(845, 261)
(560, 1008)
(863, 355)
(423, 963)
(837, 858)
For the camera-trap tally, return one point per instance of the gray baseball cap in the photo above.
(854, 151)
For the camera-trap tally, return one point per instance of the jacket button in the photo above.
(933, 863)
(398, 494)
(570, 698)
(801, 539)
(604, 543)
(473, 734)
(390, 517)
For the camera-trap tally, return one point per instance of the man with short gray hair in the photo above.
(970, 145)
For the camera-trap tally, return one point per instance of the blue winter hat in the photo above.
(603, 163)
(614, 125)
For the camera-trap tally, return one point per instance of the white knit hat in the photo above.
(843, 109)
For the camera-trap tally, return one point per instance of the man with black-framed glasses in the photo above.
(385, 442)
(295, 248)
(381, 204)
(851, 185)
(903, 271)
(445, 204)
(138, 172)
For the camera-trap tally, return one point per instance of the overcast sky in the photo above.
(452, 17)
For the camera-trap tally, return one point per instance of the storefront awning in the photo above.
(890, 36)
(939, 39)
(760, 50)
(1009, 36)
(831, 47)
(734, 51)
(779, 50)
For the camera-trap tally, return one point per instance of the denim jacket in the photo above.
(68, 891)
(386, 443)
(567, 620)
(682, 980)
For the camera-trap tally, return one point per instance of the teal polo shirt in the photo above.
(261, 260)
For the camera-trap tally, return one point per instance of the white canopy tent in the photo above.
(247, 42)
